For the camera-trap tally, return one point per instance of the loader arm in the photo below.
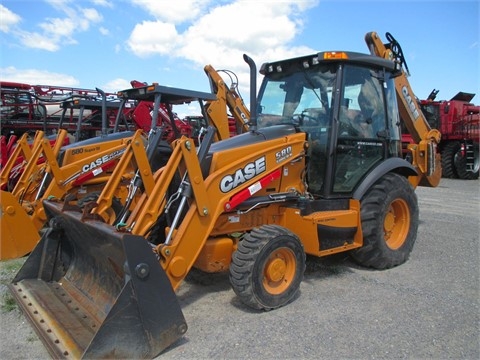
(226, 98)
(206, 199)
(50, 180)
(32, 174)
(135, 151)
(424, 150)
(20, 217)
(22, 149)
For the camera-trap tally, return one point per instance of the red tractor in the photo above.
(458, 120)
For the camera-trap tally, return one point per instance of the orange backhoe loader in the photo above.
(319, 172)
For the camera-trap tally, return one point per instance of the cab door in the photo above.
(361, 127)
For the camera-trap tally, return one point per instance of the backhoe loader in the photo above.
(319, 172)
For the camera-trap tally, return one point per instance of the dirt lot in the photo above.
(427, 308)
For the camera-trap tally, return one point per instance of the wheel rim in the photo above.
(396, 224)
(279, 271)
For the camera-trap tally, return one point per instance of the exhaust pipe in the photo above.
(92, 292)
(253, 92)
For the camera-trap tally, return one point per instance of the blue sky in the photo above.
(107, 43)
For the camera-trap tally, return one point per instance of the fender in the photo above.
(398, 165)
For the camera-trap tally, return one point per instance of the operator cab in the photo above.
(346, 103)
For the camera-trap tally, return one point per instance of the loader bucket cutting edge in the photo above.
(18, 233)
(91, 292)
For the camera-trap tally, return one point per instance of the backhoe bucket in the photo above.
(18, 233)
(92, 292)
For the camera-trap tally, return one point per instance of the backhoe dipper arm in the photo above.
(226, 97)
(424, 152)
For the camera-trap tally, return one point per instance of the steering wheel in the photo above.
(300, 119)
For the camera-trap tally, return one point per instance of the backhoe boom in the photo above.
(424, 152)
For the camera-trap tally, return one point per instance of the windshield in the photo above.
(303, 98)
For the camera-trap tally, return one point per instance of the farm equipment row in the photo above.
(81, 169)
(82, 113)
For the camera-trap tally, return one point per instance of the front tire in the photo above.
(389, 216)
(268, 267)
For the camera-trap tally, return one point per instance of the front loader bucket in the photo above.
(91, 292)
(18, 233)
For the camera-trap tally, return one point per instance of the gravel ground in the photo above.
(427, 308)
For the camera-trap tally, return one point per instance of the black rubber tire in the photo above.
(267, 267)
(461, 168)
(389, 216)
(448, 160)
(94, 195)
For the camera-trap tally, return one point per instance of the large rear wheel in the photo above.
(389, 215)
(448, 160)
(268, 267)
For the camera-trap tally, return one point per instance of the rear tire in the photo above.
(389, 215)
(268, 267)
(448, 160)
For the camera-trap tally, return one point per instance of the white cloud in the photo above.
(103, 3)
(153, 37)
(225, 31)
(37, 77)
(92, 15)
(173, 11)
(116, 85)
(59, 27)
(103, 31)
(38, 41)
(8, 19)
(54, 31)
(264, 28)
(58, 3)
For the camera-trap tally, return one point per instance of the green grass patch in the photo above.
(9, 268)
(8, 303)
(32, 338)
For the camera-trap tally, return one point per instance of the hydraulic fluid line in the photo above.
(185, 189)
(154, 137)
